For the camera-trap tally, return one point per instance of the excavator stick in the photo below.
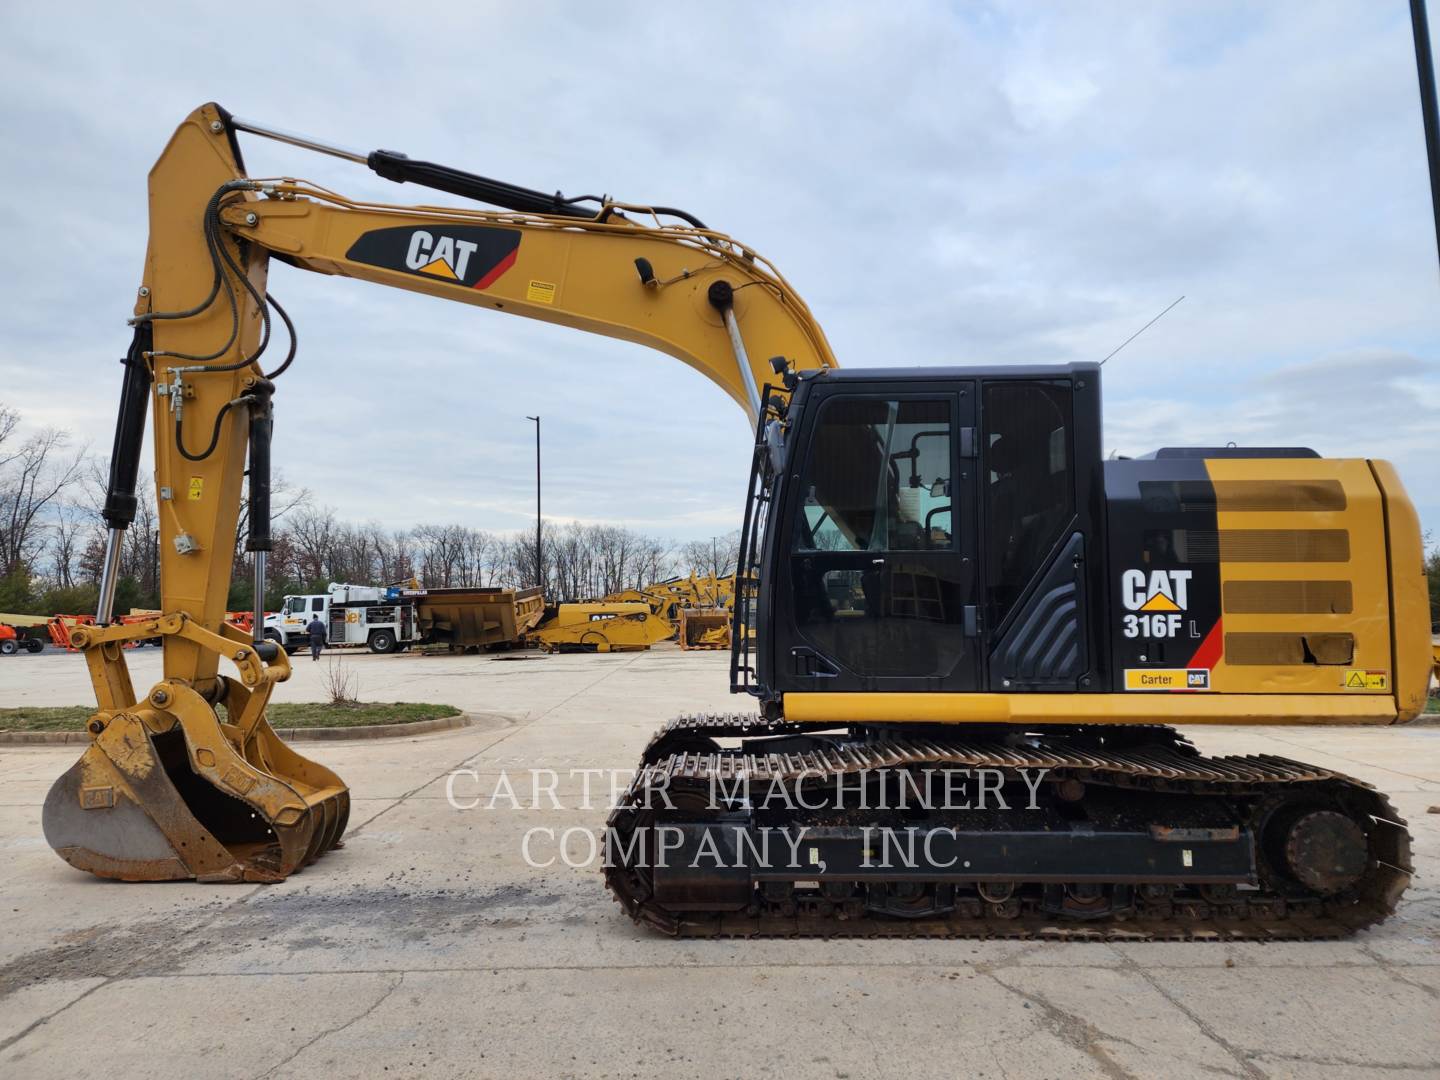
(168, 791)
(191, 781)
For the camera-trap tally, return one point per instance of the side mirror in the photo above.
(775, 445)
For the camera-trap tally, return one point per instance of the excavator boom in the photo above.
(189, 780)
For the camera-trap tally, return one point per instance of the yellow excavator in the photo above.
(947, 586)
(602, 626)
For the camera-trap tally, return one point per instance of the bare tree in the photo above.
(312, 535)
(484, 558)
(396, 553)
(716, 556)
(653, 562)
(67, 533)
(283, 499)
(33, 476)
(441, 553)
(140, 554)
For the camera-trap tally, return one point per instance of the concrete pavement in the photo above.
(429, 946)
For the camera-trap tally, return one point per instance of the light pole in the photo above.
(539, 549)
(1429, 115)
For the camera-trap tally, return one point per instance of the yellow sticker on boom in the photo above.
(540, 292)
(1367, 680)
(197, 488)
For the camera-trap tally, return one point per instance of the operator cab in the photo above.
(928, 531)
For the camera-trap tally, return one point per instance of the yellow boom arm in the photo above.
(167, 789)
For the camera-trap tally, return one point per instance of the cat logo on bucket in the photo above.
(1155, 602)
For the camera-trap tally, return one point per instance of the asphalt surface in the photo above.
(429, 946)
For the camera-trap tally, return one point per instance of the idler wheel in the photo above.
(1326, 851)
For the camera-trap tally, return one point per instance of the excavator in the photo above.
(943, 585)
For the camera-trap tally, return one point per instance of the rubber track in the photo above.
(1154, 758)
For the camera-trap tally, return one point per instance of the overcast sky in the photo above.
(943, 183)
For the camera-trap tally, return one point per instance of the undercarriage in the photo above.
(736, 826)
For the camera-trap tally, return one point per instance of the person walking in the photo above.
(316, 630)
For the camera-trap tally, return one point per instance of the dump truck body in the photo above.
(478, 618)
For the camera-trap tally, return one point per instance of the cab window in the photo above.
(878, 478)
(1029, 484)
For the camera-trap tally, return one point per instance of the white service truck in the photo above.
(382, 619)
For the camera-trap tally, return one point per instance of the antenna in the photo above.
(1142, 329)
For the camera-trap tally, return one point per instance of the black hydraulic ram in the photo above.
(120, 501)
(258, 543)
(393, 165)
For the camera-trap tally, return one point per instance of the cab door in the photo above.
(879, 542)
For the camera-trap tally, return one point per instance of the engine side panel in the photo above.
(1249, 576)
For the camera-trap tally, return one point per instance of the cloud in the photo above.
(1008, 182)
(1368, 403)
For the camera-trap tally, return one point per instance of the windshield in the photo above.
(295, 605)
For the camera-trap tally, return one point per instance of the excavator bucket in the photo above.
(167, 791)
(704, 628)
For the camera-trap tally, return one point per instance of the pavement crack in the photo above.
(1074, 1031)
(389, 990)
(1242, 1059)
(1396, 972)
(13, 1039)
(132, 966)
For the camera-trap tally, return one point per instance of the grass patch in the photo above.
(1433, 704)
(284, 714)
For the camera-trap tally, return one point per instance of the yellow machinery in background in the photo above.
(601, 627)
(698, 608)
(704, 628)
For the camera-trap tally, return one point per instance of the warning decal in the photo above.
(540, 292)
(1367, 680)
(197, 488)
